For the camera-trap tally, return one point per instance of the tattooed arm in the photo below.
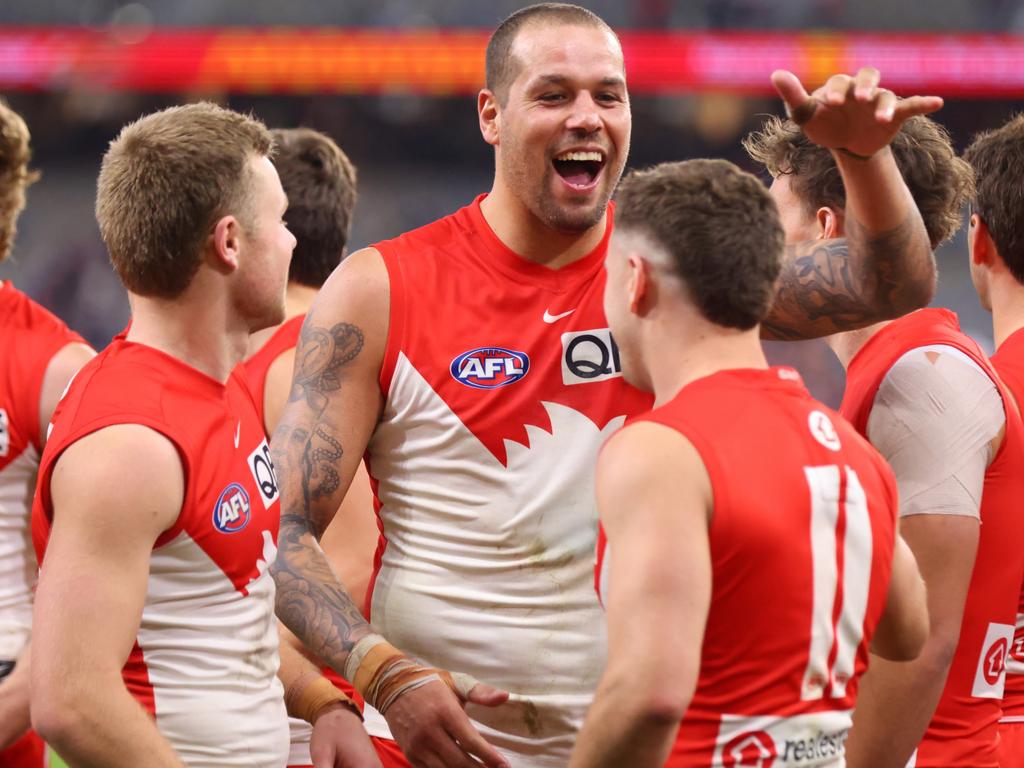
(876, 262)
(333, 407)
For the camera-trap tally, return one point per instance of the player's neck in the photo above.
(532, 239)
(210, 337)
(676, 356)
(297, 301)
(847, 345)
(1007, 297)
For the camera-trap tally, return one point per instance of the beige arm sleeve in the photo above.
(934, 419)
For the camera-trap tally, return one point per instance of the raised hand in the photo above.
(850, 114)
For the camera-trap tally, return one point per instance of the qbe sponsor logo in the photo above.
(262, 469)
(490, 367)
(990, 676)
(590, 356)
(771, 741)
(232, 511)
(5, 433)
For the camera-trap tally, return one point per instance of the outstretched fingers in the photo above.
(916, 105)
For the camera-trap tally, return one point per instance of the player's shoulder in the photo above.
(30, 323)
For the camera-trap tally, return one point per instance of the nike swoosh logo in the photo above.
(549, 318)
(238, 433)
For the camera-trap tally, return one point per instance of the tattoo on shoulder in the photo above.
(319, 358)
(830, 286)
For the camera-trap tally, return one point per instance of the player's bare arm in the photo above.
(654, 498)
(884, 266)
(14, 690)
(62, 368)
(334, 403)
(903, 628)
(332, 407)
(114, 492)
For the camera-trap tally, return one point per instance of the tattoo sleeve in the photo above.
(831, 286)
(307, 453)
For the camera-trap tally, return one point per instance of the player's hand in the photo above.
(340, 741)
(429, 725)
(850, 113)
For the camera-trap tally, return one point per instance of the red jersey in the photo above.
(29, 338)
(963, 731)
(500, 382)
(1009, 363)
(802, 537)
(257, 364)
(205, 658)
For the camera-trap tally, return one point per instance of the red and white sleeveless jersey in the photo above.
(501, 381)
(29, 338)
(801, 536)
(1009, 364)
(205, 659)
(257, 364)
(963, 731)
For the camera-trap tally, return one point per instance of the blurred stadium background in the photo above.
(393, 82)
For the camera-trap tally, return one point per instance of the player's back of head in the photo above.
(939, 181)
(720, 229)
(320, 182)
(164, 182)
(14, 174)
(502, 65)
(997, 157)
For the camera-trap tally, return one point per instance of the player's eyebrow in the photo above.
(554, 79)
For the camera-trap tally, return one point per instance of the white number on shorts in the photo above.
(837, 495)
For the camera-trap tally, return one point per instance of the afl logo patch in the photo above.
(232, 511)
(490, 367)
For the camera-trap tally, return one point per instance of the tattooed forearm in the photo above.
(307, 451)
(320, 355)
(830, 286)
(310, 600)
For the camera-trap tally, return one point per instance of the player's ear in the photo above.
(830, 223)
(224, 245)
(981, 247)
(639, 285)
(489, 112)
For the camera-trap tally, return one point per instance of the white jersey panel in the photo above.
(211, 656)
(18, 568)
(483, 556)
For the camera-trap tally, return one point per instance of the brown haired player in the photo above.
(925, 395)
(156, 506)
(39, 356)
(996, 245)
(320, 183)
(728, 508)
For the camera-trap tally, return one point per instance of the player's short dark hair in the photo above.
(502, 66)
(164, 182)
(15, 176)
(320, 182)
(721, 228)
(997, 157)
(939, 181)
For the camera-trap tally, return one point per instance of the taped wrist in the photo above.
(308, 695)
(381, 673)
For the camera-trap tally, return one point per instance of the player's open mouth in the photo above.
(580, 169)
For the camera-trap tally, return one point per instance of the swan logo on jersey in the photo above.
(232, 511)
(5, 434)
(490, 367)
